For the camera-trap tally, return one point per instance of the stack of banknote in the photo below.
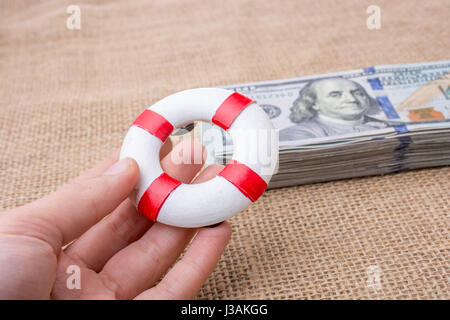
(362, 122)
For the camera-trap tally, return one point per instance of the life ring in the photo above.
(162, 198)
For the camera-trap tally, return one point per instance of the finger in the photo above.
(166, 148)
(114, 156)
(186, 278)
(208, 173)
(67, 213)
(138, 266)
(122, 227)
(185, 160)
(96, 246)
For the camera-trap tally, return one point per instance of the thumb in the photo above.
(78, 205)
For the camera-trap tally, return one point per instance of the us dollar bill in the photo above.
(376, 109)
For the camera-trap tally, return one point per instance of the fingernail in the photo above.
(118, 167)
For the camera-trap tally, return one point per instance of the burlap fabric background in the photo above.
(68, 96)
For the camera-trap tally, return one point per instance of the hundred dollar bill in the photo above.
(401, 104)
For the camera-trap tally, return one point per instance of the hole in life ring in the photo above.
(186, 129)
(216, 142)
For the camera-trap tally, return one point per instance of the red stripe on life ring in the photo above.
(156, 194)
(245, 179)
(230, 109)
(154, 123)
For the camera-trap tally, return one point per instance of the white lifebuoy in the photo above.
(162, 198)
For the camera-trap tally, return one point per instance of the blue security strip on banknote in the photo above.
(399, 153)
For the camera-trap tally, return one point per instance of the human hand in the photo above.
(120, 253)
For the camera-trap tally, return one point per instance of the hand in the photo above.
(120, 253)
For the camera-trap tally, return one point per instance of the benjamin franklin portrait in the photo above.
(330, 107)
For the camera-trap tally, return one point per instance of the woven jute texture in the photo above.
(67, 98)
